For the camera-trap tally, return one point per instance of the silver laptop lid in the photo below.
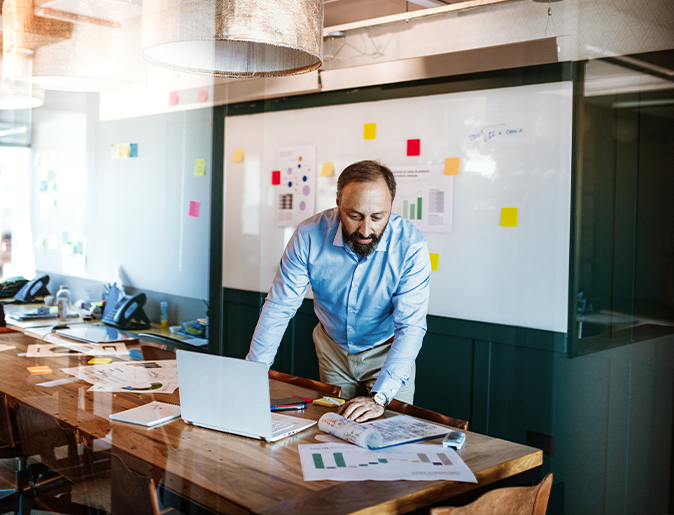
(224, 393)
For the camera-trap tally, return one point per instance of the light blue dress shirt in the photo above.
(361, 302)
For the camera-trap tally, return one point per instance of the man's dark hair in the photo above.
(366, 171)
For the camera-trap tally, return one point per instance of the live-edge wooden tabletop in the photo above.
(233, 474)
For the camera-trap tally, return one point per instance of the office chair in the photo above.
(311, 384)
(518, 500)
(416, 411)
(132, 493)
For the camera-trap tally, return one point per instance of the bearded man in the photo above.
(370, 272)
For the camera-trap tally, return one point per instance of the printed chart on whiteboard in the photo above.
(424, 197)
(296, 193)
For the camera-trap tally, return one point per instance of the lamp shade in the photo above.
(234, 38)
(19, 97)
(73, 49)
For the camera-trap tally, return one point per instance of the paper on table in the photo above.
(133, 376)
(57, 382)
(6, 347)
(351, 431)
(149, 415)
(65, 349)
(405, 429)
(414, 462)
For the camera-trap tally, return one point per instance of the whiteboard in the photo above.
(514, 146)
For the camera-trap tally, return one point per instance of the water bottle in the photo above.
(63, 301)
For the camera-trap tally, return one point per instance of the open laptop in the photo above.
(231, 395)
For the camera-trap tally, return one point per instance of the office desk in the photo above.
(232, 474)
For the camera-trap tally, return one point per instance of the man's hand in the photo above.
(361, 409)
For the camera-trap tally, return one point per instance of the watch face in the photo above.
(380, 398)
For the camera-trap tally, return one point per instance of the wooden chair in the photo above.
(416, 411)
(311, 384)
(154, 352)
(519, 500)
(131, 493)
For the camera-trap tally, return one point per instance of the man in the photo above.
(370, 274)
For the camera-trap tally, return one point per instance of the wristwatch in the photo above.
(380, 398)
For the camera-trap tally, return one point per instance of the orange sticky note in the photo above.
(370, 131)
(327, 170)
(508, 217)
(434, 261)
(39, 370)
(452, 165)
(238, 155)
(99, 361)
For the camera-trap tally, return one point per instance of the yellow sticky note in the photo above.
(434, 261)
(370, 131)
(99, 361)
(452, 165)
(39, 370)
(238, 156)
(508, 217)
(329, 402)
(327, 170)
(124, 150)
(200, 167)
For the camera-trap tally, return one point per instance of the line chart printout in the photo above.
(412, 462)
(130, 377)
(424, 197)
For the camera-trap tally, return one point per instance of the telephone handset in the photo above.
(128, 313)
(35, 288)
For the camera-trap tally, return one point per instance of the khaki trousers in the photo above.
(355, 373)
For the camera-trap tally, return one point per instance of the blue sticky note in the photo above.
(133, 150)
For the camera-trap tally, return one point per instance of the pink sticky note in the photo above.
(413, 147)
(173, 98)
(194, 209)
(202, 96)
(276, 177)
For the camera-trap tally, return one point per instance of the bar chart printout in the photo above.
(414, 462)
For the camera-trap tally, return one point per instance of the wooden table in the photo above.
(232, 474)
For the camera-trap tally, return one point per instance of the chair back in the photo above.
(154, 352)
(131, 493)
(519, 500)
(416, 411)
(311, 384)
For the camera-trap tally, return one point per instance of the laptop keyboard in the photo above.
(278, 426)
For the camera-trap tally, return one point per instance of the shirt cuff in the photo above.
(387, 385)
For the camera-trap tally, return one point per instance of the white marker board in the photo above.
(514, 146)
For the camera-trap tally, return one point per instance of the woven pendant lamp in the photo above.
(234, 38)
(73, 45)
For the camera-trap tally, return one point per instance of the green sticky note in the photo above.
(434, 261)
(370, 131)
(508, 217)
(200, 167)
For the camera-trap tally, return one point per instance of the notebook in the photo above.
(93, 333)
(149, 415)
(231, 395)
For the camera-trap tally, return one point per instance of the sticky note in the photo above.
(40, 241)
(194, 209)
(133, 149)
(200, 167)
(452, 165)
(173, 98)
(202, 95)
(124, 150)
(39, 370)
(508, 217)
(238, 155)
(370, 131)
(329, 402)
(99, 361)
(413, 147)
(434, 260)
(43, 187)
(327, 169)
(276, 177)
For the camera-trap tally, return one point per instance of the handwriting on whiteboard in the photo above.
(492, 131)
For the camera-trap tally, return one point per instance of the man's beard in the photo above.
(362, 249)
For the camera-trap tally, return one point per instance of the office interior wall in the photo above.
(515, 151)
(132, 212)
